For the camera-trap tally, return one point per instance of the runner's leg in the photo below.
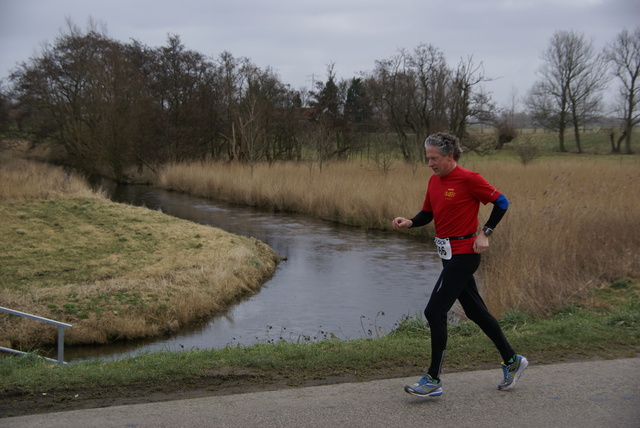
(476, 310)
(456, 273)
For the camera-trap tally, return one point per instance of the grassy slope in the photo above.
(115, 271)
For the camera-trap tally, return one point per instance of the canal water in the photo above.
(335, 281)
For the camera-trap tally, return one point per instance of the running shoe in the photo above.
(425, 387)
(513, 372)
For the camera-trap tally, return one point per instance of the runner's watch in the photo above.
(487, 231)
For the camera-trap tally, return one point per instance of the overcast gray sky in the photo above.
(299, 38)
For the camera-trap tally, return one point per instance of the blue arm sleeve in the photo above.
(502, 202)
(500, 206)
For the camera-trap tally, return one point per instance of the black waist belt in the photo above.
(455, 238)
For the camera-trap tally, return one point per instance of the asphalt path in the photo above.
(581, 394)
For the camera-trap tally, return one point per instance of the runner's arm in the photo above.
(500, 207)
(422, 218)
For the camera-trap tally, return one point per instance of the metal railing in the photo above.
(61, 326)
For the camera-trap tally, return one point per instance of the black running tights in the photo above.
(456, 282)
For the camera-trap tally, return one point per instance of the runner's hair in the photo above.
(446, 143)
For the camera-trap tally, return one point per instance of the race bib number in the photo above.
(444, 248)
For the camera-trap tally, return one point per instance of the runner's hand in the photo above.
(481, 243)
(401, 223)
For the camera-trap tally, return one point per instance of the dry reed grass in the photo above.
(350, 193)
(22, 180)
(573, 222)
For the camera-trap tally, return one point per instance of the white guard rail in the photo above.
(61, 326)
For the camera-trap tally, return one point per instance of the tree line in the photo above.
(574, 76)
(104, 106)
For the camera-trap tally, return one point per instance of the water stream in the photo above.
(336, 280)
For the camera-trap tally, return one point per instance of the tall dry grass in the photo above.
(22, 180)
(573, 223)
(350, 193)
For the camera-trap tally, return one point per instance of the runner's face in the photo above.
(441, 165)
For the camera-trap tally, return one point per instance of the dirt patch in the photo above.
(19, 403)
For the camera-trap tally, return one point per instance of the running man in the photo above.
(453, 201)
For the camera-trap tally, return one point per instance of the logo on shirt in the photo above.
(449, 193)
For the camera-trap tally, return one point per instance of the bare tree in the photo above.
(187, 100)
(585, 90)
(230, 81)
(542, 108)
(116, 108)
(329, 100)
(320, 139)
(505, 122)
(467, 101)
(255, 115)
(386, 84)
(62, 97)
(409, 92)
(624, 55)
(4, 112)
(573, 76)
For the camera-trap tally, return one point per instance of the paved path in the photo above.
(584, 394)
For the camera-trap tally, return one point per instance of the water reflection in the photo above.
(336, 280)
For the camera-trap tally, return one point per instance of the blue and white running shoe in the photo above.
(513, 372)
(425, 387)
